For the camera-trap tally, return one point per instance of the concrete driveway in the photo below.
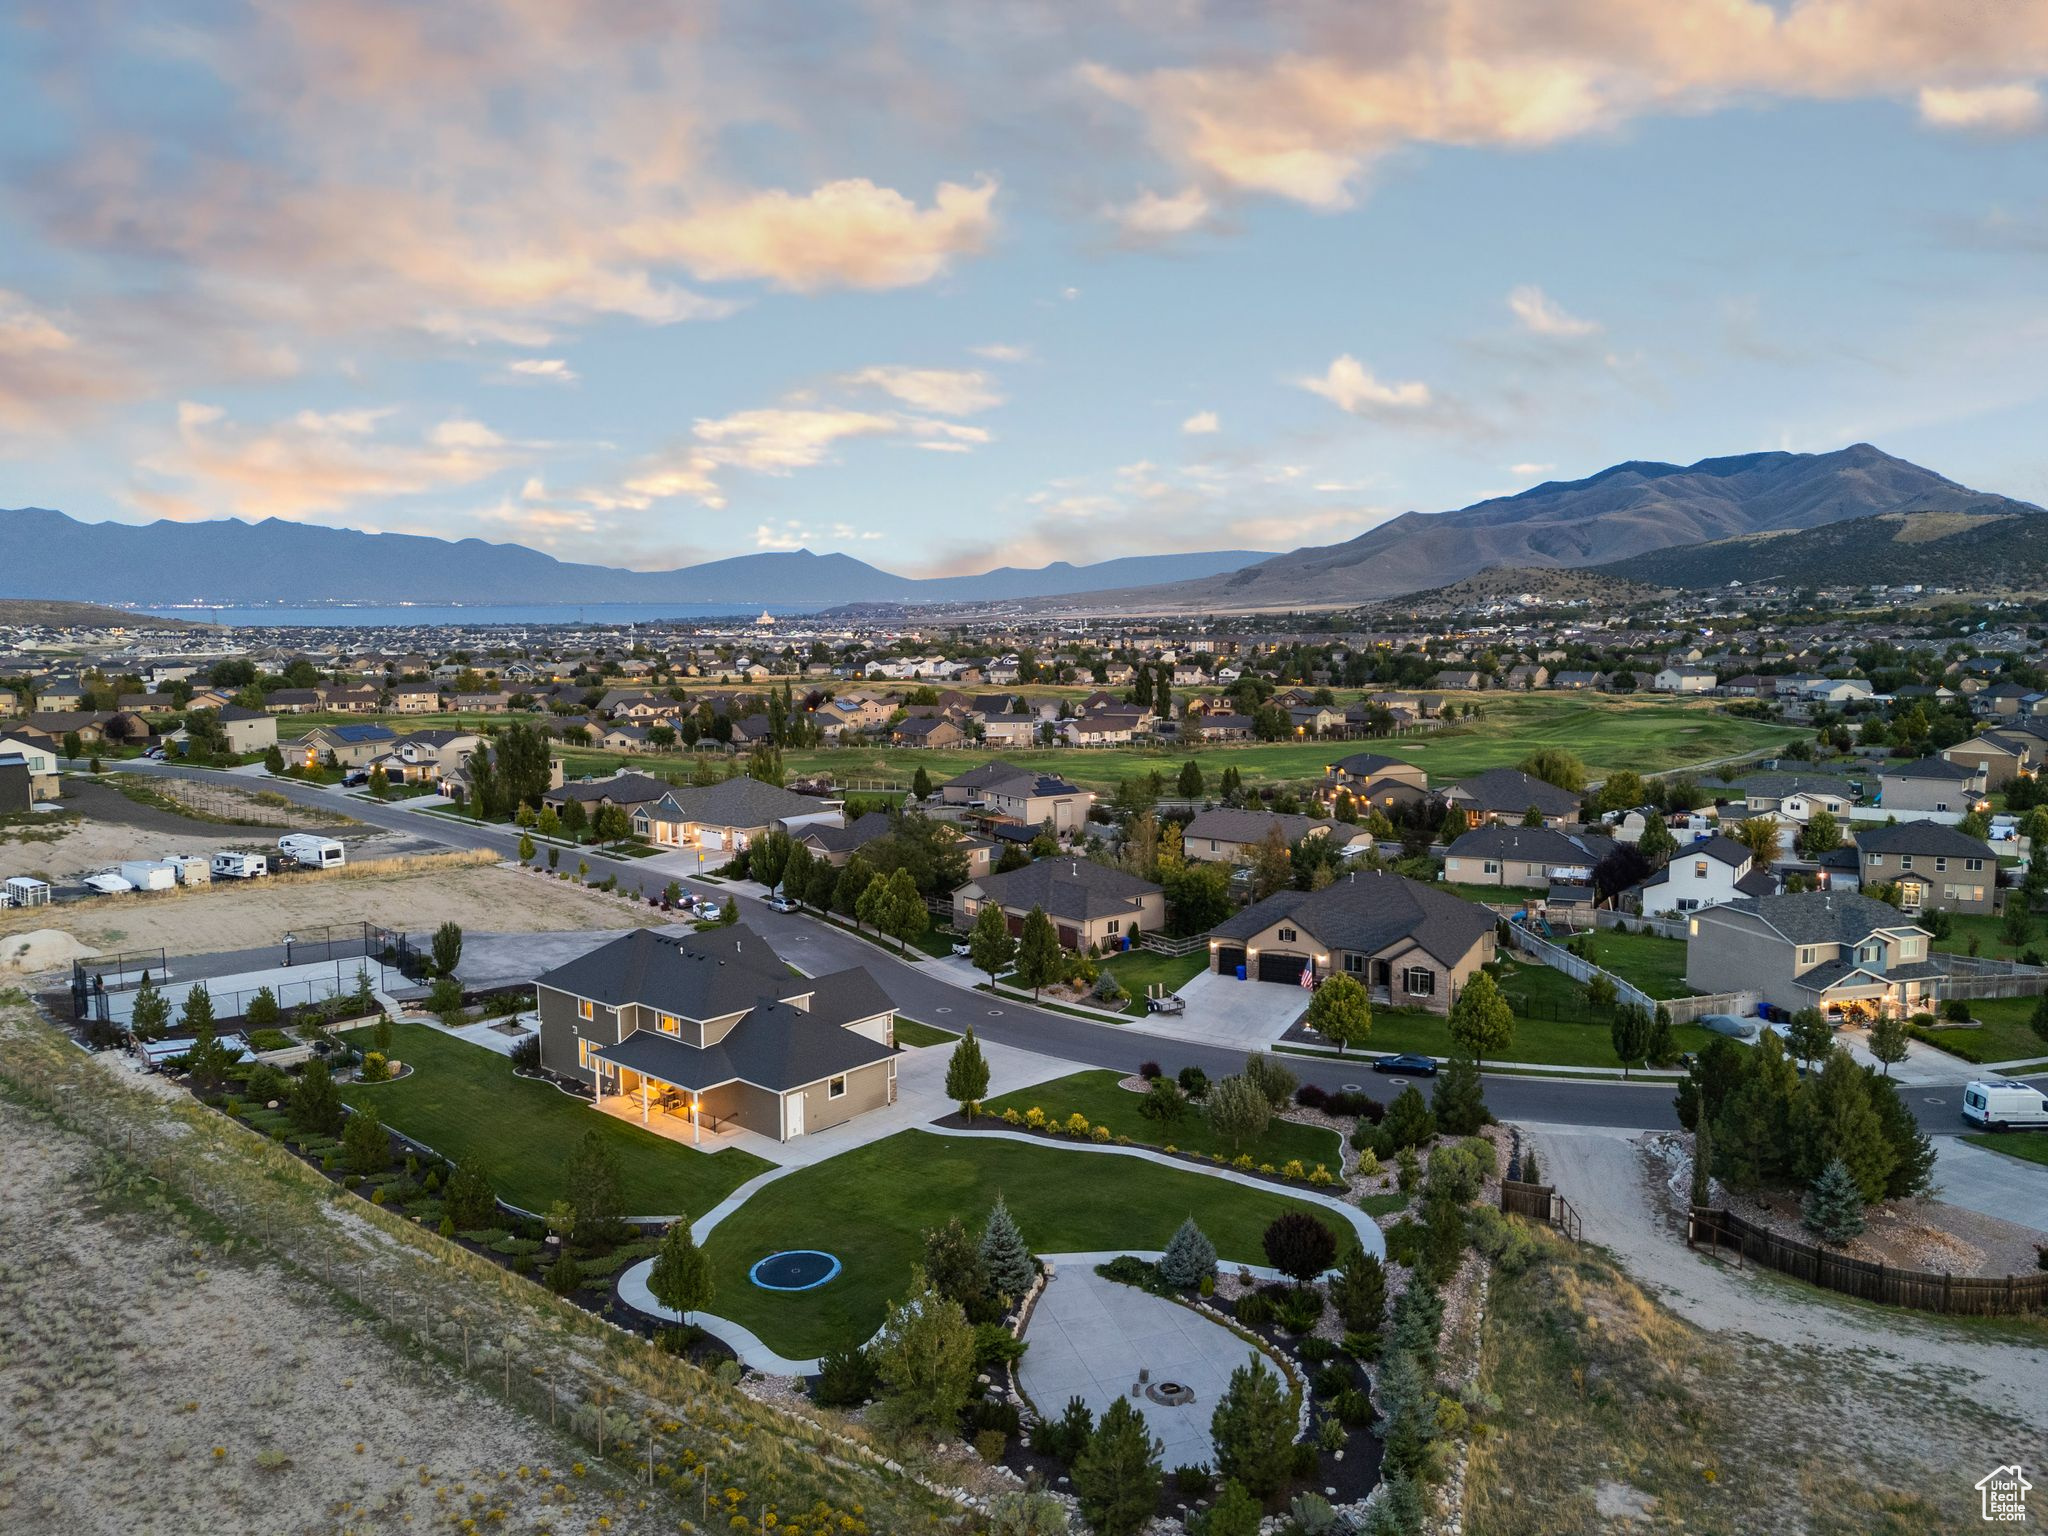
(1223, 1011)
(1991, 1182)
(1089, 1337)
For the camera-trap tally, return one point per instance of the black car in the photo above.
(1410, 1066)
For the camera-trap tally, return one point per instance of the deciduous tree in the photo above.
(1038, 951)
(1341, 1012)
(1481, 1019)
(990, 944)
(680, 1278)
(967, 1075)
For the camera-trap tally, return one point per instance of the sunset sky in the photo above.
(946, 286)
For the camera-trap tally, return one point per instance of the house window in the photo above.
(583, 1055)
(1419, 981)
(1287, 936)
(670, 1025)
(836, 1089)
(1940, 865)
(1875, 860)
(1492, 867)
(1699, 869)
(1116, 925)
(585, 1009)
(1906, 859)
(1355, 964)
(1806, 956)
(1974, 866)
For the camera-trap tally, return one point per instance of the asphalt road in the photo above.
(819, 947)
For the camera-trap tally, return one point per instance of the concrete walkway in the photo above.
(1090, 1337)
(744, 1342)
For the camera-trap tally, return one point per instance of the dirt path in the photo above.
(1605, 1176)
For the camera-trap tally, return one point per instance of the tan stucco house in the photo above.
(1089, 903)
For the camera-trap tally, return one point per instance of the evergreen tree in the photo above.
(150, 1016)
(990, 944)
(1004, 1255)
(1754, 1129)
(1912, 1169)
(1188, 1257)
(1359, 1292)
(925, 1359)
(1834, 1121)
(681, 1276)
(1656, 844)
(1481, 1019)
(1399, 1510)
(1455, 825)
(1834, 1205)
(316, 1105)
(1235, 1512)
(365, 1147)
(952, 1262)
(1038, 952)
(1408, 1122)
(1810, 1035)
(1702, 1163)
(967, 1075)
(1408, 1412)
(594, 1186)
(1459, 1098)
(1190, 782)
(447, 946)
(1253, 1429)
(1118, 1477)
(921, 784)
(470, 1201)
(197, 1014)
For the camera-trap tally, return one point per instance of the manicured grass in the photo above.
(910, 1032)
(1096, 1095)
(2027, 1146)
(1989, 932)
(870, 1207)
(1538, 1041)
(464, 1101)
(1139, 968)
(1655, 964)
(2006, 1034)
(1490, 895)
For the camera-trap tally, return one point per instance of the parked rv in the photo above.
(189, 868)
(311, 852)
(239, 866)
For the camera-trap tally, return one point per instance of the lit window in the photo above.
(583, 1054)
(1287, 935)
(585, 1009)
(1699, 869)
(669, 1025)
(836, 1089)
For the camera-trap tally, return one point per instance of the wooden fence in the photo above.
(1539, 1202)
(1966, 1295)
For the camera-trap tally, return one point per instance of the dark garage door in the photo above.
(1280, 966)
(1228, 958)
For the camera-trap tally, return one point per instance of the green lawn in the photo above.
(870, 1206)
(2028, 1147)
(1538, 1041)
(2007, 1035)
(1139, 968)
(1096, 1095)
(910, 1032)
(1655, 964)
(465, 1101)
(1989, 932)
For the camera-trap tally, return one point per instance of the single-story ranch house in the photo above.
(1506, 794)
(728, 816)
(1088, 903)
(1413, 946)
(711, 1028)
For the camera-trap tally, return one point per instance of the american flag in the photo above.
(1308, 975)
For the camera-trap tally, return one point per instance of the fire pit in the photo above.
(1170, 1394)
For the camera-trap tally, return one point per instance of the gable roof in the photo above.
(1234, 826)
(1366, 764)
(741, 802)
(1505, 790)
(864, 830)
(1369, 911)
(706, 975)
(1823, 917)
(994, 771)
(1076, 889)
(1532, 844)
(1930, 837)
(620, 789)
(1931, 768)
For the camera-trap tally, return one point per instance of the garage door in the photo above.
(1228, 958)
(1280, 966)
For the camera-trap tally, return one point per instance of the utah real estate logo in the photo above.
(2004, 1490)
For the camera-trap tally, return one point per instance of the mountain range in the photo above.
(1974, 553)
(1630, 509)
(1641, 520)
(46, 554)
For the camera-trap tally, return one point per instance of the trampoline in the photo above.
(796, 1269)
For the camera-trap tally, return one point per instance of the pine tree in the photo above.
(1399, 1510)
(594, 1186)
(1408, 1409)
(470, 1201)
(197, 1014)
(1253, 1429)
(1834, 1205)
(1038, 955)
(1118, 1476)
(150, 1015)
(1359, 1293)
(1188, 1257)
(681, 1276)
(1459, 1098)
(365, 1147)
(316, 1106)
(1702, 1163)
(1235, 1513)
(967, 1075)
(1004, 1254)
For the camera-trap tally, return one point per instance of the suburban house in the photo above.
(1457, 679)
(17, 785)
(40, 761)
(293, 701)
(55, 693)
(415, 699)
(1509, 855)
(1933, 784)
(1009, 730)
(351, 746)
(1710, 873)
(927, 731)
(1090, 904)
(1506, 794)
(1413, 946)
(456, 781)
(1794, 796)
(727, 816)
(971, 787)
(1683, 680)
(1819, 949)
(710, 1032)
(624, 788)
(1932, 864)
(1226, 836)
(248, 730)
(428, 757)
(1105, 727)
(1219, 725)
(1372, 779)
(835, 845)
(1999, 759)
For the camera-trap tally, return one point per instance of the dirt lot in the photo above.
(243, 914)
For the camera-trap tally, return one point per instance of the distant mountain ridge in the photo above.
(47, 554)
(1629, 509)
(1994, 552)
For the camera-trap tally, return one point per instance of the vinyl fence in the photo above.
(1967, 1295)
(1559, 958)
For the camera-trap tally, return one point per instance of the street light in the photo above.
(288, 942)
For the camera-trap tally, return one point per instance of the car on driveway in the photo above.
(1409, 1066)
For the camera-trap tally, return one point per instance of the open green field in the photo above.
(1096, 1095)
(464, 1101)
(1655, 964)
(871, 1205)
(2027, 1146)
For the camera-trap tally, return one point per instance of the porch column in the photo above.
(643, 1098)
(696, 1121)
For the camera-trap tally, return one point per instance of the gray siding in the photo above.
(866, 1088)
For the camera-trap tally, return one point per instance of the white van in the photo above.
(239, 866)
(1999, 1104)
(312, 852)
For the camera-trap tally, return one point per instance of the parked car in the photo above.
(1410, 1066)
(2000, 1104)
(707, 910)
(155, 754)
(780, 903)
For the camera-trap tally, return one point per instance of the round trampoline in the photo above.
(796, 1269)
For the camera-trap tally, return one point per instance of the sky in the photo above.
(946, 287)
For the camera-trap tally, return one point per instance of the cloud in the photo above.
(947, 391)
(851, 234)
(1541, 315)
(1350, 386)
(1984, 109)
(1530, 471)
(48, 377)
(1150, 216)
(1201, 424)
(1002, 352)
(315, 462)
(553, 370)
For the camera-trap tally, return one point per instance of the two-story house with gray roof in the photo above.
(1932, 864)
(1934, 784)
(1818, 949)
(1411, 945)
(699, 1034)
(1506, 794)
(1223, 835)
(1710, 872)
(1503, 855)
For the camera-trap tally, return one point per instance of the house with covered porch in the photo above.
(701, 1035)
(1844, 954)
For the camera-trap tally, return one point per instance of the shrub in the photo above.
(1063, 1438)
(1149, 1070)
(1956, 1010)
(1311, 1096)
(526, 1053)
(1194, 1082)
(1291, 1169)
(1350, 1102)
(1236, 1513)
(1299, 1246)
(564, 1275)
(1195, 1482)
(1189, 1258)
(1316, 1351)
(995, 1345)
(1321, 1176)
(1409, 1170)
(1331, 1380)
(1352, 1407)
(1362, 1344)
(1408, 1121)
(986, 1413)
(1254, 1310)
(988, 1445)
(846, 1379)
(1298, 1311)
(1404, 1242)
